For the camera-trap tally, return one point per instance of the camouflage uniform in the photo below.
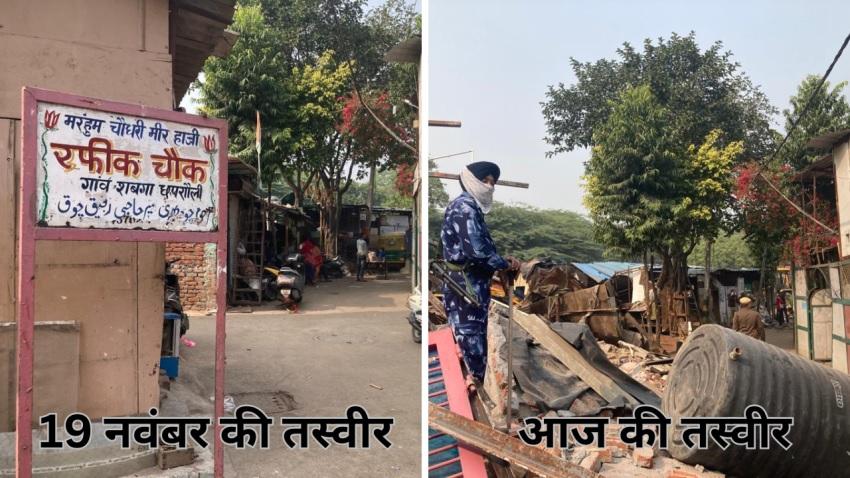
(467, 244)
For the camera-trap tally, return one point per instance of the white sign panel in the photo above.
(113, 171)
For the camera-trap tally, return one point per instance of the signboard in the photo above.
(109, 170)
(97, 170)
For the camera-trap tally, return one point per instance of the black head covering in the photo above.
(482, 169)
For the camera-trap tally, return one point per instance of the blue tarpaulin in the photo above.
(600, 271)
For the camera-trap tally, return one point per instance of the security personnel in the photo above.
(471, 259)
(747, 321)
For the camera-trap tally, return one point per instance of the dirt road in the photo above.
(350, 344)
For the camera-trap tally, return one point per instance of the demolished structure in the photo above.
(578, 349)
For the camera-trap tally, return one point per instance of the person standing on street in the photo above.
(747, 321)
(308, 249)
(362, 252)
(779, 305)
(471, 260)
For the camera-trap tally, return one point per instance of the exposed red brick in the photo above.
(195, 273)
(643, 457)
(606, 455)
(682, 474)
(592, 462)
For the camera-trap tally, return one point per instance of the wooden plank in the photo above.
(500, 445)
(218, 11)
(569, 356)
(444, 123)
(149, 322)
(457, 395)
(501, 182)
(499, 467)
(8, 216)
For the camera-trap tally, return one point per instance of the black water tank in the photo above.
(719, 372)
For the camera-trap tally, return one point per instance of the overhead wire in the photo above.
(794, 123)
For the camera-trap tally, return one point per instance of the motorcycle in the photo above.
(415, 315)
(172, 314)
(172, 297)
(334, 268)
(289, 280)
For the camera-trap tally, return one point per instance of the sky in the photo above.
(491, 63)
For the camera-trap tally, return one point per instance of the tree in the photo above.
(295, 63)
(387, 193)
(438, 198)
(254, 77)
(527, 232)
(705, 89)
(828, 111)
(773, 230)
(711, 210)
(633, 179)
(357, 145)
(647, 191)
(660, 123)
(767, 220)
(727, 252)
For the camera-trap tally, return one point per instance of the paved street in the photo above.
(350, 344)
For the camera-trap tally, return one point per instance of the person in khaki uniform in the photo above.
(747, 321)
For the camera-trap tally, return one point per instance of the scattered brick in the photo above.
(592, 462)
(643, 457)
(606, 455)
(682, 474)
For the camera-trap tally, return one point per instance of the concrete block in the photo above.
(56, 376)
(170, 457)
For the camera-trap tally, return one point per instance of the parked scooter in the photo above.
(172, 297)
(414, 317)
(173, 314)
(334, 268)
(289, 279)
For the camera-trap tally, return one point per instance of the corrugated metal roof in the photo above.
(600, 271)
(825, 141)
(408, 51)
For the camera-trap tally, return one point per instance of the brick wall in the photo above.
(196, 273)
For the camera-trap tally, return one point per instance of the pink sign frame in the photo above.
(29, 232)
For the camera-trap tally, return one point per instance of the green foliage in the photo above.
(771, 227)
(828, 112)
(255, 76)
(711, 166)
(386, 192)
(319, 101)
(705, 89)
(727, 251)
(666, 126)
(647, 191)
(633, 180)
(527, 232)
(437, 196)
(295, 62)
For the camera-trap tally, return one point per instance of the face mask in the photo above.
(479, 190)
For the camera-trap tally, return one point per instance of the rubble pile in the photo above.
(618, 460)
(542, 387)
(638, 364)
